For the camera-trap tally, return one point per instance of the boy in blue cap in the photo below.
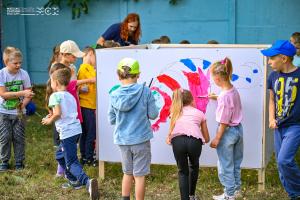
(284, 113)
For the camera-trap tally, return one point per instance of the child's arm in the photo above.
(204, 131)
(212, 96)
(111, 115)
(26, 100)
(152, 109)
(13, 95)
(84, 81)
(52, 118)
(215, 142)
(272, 120)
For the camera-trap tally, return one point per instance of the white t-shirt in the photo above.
(68, 125)
(13, 83)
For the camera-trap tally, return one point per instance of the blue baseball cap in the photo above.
(283, 47)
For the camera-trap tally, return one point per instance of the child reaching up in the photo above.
(64, 114)
(229, 137)
(188, 132)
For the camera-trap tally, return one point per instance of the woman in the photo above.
(126, 33)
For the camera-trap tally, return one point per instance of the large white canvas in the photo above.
(166, 60)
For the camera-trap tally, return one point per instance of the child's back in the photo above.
(133, 105)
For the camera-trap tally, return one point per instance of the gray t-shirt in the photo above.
(67, 125)
(13, 83)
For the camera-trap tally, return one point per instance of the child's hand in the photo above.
(168, 140)
(93, 80)
(28, 93)
(215, 142)
(273, 124)
(212, 96)
(46, 120)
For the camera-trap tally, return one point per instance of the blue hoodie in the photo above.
(131, 107)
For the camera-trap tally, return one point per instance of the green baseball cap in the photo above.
(131, 63)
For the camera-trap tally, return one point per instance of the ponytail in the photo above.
(223, 68)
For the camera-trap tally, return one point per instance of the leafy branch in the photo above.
(79, 6)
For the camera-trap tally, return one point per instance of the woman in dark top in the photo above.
(126, 33)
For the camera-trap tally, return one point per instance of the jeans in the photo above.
(287, 142)
(88, 135)
(230, 154)
(12, 131)
(66, 155)
(187, 151)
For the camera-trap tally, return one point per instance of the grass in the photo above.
(37, 180)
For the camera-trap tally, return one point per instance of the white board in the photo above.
(248, 64)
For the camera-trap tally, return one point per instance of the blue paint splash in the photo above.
(189, 63)
(248, 79)
(234, 77)
(206, 64)
(255, 71)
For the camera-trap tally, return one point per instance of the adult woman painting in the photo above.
(126, 33)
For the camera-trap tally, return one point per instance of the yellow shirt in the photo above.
(88, 99)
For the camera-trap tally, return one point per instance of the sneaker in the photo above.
(4, 167)
(224, 197)
(92, 186)
(193, 197)
(72, 184)
(295, 198)
(83, 161)
(19, 166)
(60, 171)
(237, 194)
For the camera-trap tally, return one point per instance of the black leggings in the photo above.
(187, 151)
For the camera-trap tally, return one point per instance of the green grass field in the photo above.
(37, 180)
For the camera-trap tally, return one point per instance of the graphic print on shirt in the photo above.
(285, 95)
(13, 86)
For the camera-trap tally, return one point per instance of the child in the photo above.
(295, 40)
(131, 107)
(229, 137)
(284, 113)
(15, 94)
(87, 98)
(188, 132)
(64, 114)
(56, 56)
(69, 53)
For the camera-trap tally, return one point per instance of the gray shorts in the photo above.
(136, 159)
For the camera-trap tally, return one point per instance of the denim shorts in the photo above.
(136, 159)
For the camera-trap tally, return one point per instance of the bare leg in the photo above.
(126, 185)
(139, 187)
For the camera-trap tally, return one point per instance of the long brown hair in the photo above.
(222, 68)
(180, 98)
(132, 17)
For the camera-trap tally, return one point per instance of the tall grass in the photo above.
(37, 180)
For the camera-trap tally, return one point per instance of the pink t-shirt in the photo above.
(72, 88)
(229, 110)
(189, 123)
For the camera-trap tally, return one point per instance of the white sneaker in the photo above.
(224, 197)
(237, 194)
(93, 189)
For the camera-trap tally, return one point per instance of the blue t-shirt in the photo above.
(114, 33)
(285, 87)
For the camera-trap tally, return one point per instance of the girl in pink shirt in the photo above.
(229, 137)
(188, 132)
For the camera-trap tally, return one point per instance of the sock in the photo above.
(125, 198)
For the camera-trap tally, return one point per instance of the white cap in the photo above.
(71, 47)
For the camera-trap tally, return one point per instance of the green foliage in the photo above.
(79, 6)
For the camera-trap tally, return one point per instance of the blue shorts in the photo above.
(136, 159)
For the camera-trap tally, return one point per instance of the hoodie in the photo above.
(131, 107)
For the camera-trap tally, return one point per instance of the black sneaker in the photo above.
(83, 161)
(4, 167)
(19, 166)
(72, 184)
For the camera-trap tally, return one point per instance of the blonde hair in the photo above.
(55, 55)
(11, 53)
(180, 98)
(125, 74)
(222, 68)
